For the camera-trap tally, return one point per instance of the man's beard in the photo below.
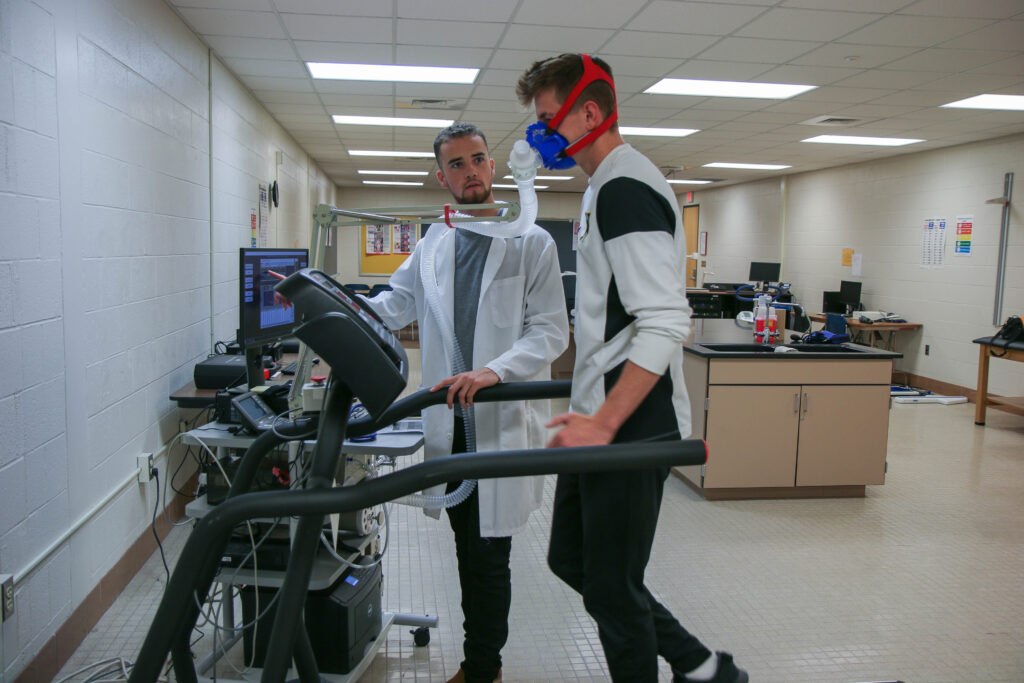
(477, 195)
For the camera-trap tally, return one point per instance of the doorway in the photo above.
(691, 222)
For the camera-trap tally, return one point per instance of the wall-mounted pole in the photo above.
(1004, 235)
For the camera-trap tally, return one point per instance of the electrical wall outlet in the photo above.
(6, 597)
(145, 461)
(927, 349)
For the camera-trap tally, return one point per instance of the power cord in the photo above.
(152, 525)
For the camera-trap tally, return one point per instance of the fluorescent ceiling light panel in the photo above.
(690, 182)
(387, 153)
(392, 72)
(391, 121)
(750, 167)
(861, 140)
(502, 186)
(391, 182)
(547, 177)
(392, 172)
(1005, 102)
(687, 86)
(663, 132)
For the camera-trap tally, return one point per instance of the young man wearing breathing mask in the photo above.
(632, 318)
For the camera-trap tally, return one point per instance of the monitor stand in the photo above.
(254, 366)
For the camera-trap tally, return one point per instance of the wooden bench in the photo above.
(991, 347)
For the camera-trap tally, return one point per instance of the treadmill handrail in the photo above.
(424, 398)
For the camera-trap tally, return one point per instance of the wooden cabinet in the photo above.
(788, 427)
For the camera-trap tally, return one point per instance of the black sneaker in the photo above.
(727, 672)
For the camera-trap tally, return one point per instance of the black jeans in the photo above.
(602, 529)
(486, 582)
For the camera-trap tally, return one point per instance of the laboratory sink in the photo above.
(825, 348)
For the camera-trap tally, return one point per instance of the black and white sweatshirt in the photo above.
(631, 294)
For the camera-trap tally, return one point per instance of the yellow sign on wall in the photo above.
(383, 248)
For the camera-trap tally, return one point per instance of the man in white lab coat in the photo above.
(501, 306)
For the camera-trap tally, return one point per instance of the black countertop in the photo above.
(728, 338)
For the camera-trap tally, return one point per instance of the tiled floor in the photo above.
(920, 581)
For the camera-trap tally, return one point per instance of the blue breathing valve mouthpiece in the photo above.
(550, 145)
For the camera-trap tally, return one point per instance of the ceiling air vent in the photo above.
(831, 121)
(430, 103)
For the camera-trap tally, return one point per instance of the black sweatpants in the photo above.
(602, 529)
(486, 582)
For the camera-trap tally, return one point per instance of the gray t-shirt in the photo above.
(471, 251)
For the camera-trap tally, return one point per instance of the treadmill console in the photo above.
(345, 332)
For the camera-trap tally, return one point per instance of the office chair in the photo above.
(377, 289)
(835, 323)
(359, 287)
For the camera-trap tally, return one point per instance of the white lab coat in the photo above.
(521, 327)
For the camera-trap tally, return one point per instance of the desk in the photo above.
(989, 347)
(875, 330)
(189, 396)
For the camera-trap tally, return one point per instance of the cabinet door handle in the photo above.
(796, 402)
(806, 401)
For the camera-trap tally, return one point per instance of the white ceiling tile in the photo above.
(553, 38)
(447, 33)
(882, 6)
(913, 31)
(337, 28)
(492, 92)
(342, 8)
(506, 62)
(972, 83)
(375, 101)
(693, 17)
(988, 9)
(806, 75)
(723, 71)
(648, 67)
(354, 88)
(344, 52)
(433, 55)
(581, 13)
(267, 67)
(502, 77)
(260, 48)
(647, 44)
(888, 79)
(291, 85)
(834, 94)
(464, 10)
(233, 23)
(272, 96)
(446, 91)
(1012, 66)
(874, 111)
(508, 104)
(1006, 35)
(758, 50)
(854, 56)
(285, 108)
(944, 59)
(798, 24)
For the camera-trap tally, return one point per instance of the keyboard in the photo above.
(290, 369)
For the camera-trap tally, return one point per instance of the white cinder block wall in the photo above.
(109, 214)
(878, 209)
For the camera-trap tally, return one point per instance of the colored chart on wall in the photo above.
(379, 253)
(964, 235)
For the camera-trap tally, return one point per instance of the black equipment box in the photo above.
(341, 621)
(272, 555)
(219, 372)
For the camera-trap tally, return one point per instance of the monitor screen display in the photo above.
(849, 292)
(261, 319)
(761, 271)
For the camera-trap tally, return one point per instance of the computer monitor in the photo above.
(261, 319)
(830, 303)
(762, 271)
(849, 294)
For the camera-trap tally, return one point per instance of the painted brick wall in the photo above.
(108, 291)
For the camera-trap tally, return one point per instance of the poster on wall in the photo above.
(404, 236)
(964, 235)
(933, 243)
(253, 227)
(264, 239)
(378, 239)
